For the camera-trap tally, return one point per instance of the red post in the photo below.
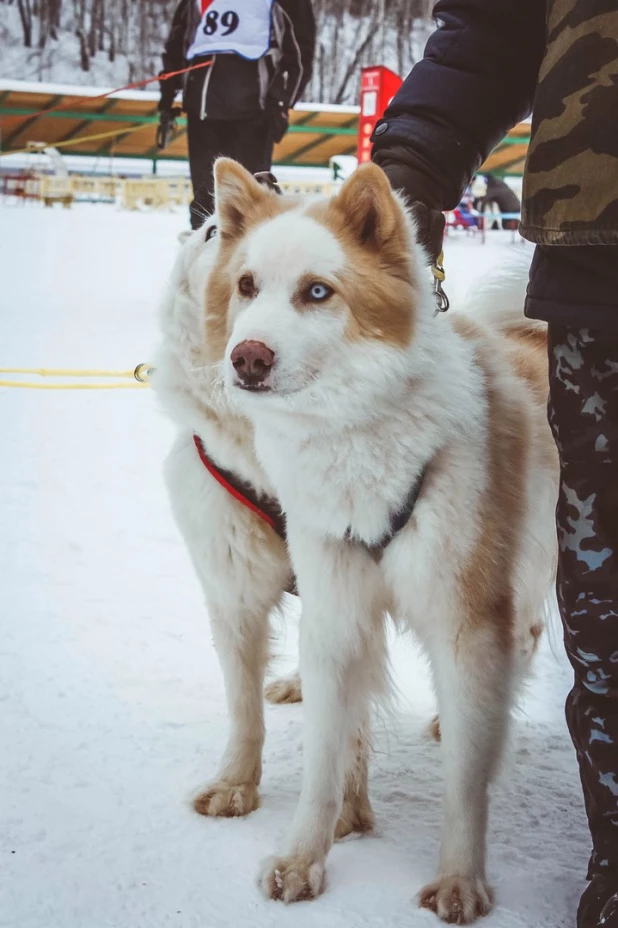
(378, 87)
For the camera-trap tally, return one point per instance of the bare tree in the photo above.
(354, 62)
(25, 15)
(351, 34)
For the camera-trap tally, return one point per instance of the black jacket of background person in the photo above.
(233, 87)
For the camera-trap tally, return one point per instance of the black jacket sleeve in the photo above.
(476, 81)
(298, 47)
(174, 54)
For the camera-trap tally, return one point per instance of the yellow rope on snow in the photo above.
(140, 377)
(65, 372)
(78, 141)
(73, 386)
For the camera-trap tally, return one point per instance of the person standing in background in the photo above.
(486, 65)
(260, 56)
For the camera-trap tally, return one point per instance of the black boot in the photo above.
(609, 915)
(599, 901)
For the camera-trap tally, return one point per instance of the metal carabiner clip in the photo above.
(143, 372)
(437, 269)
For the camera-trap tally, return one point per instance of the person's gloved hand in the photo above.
(277, 116)
(167, 124)
(168, 94)
(268, 179)
(424, 198)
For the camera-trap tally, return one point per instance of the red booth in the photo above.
(378, 87)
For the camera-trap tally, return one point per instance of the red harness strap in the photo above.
(265, 508)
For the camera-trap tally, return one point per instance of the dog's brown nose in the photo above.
(252, 361)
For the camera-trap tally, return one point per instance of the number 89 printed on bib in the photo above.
(240, 27)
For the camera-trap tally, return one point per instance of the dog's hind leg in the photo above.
(473, 677)
(356, 812)
(284, 689)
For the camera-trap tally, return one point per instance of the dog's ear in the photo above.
(237, 194)
(368, 210)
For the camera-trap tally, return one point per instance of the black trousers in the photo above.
(248, 141)
(583, 414)
(575, 289)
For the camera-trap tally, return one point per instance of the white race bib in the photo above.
(241, 27)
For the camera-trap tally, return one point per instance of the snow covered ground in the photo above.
(112, 710)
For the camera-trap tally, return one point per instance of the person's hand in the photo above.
(167, 124)
(168, 94)
(268, 179)
(424, 200)
(277, 116)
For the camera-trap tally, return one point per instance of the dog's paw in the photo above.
(284, 690)
(292, 879)
(356, 815)
(457, 900)
(228, 800)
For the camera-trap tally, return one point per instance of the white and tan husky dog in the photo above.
(364, 405)
(241, 562)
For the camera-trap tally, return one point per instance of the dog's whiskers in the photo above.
(200, 212)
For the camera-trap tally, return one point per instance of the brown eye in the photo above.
(246, 286)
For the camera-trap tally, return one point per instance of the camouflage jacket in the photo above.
(571, 177)
(484, 67)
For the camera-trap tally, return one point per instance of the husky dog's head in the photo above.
(314, 302)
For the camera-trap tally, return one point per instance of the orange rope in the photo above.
(108, 93)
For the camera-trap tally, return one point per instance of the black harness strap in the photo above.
(268, 508)
(403, 516)
(399, 519)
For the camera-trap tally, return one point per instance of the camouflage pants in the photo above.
(583, 414)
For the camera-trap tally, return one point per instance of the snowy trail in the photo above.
(112, 710)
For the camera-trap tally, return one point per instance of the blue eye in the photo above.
(319, 292)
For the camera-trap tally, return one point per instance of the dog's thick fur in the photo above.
(368, 390)
(376, 388)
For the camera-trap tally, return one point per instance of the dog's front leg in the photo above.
(241, 640)
(243, 570)
(342, 662)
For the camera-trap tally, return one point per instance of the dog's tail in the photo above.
(498, 302)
